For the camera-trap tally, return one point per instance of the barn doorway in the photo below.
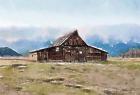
(81, 56)
(68, 57)
(75, 55)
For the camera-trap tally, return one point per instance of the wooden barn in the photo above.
(69, 48)
(133, 53)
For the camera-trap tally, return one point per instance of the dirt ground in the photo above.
(117, 76)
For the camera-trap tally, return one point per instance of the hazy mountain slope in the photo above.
(116, 39)
(5, 51)
(117, 49)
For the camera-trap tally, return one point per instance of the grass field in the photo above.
(117, 76)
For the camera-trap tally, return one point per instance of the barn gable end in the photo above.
(72, 39)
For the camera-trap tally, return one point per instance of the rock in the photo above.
(110, 92)
(18, 88)
(19, 65)
(22, 67)
(22, 70)
(57, 82)
(125, 89)
(1, 77)
(87, 89)
(54, 79)
(74, 85)
(53, 68)
(16, 65)
(2, 66)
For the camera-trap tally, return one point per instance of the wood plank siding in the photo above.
(70, 48)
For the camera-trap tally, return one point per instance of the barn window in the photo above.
(57, 49)
(68, 51)
(80, 52)
(90, 50)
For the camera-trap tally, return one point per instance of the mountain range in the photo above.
(6, 51)
(115, 49)
(116, 39)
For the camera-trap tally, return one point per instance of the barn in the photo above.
(69, 48)
(132, 53)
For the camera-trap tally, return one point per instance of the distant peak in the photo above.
(5, 47)
(6, 51)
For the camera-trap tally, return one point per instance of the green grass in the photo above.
(10, 76)
(31, 79)
(130, 66)
(40, 72)
(48, 89)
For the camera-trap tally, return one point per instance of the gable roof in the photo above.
(98, 48)
(57, 42)
(62, 39)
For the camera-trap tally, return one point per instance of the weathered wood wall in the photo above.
(71, 54)
(132, 53)
(33, 56)
(73, 49)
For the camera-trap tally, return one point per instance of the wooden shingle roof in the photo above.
(62, 39)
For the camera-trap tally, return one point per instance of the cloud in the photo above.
(13, 34)
(68, 13)
(122, 32)
(28, 38)
(36, 21)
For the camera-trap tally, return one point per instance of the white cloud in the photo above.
(90, 17)
(74, 13)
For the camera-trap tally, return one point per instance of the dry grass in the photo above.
(115, 77)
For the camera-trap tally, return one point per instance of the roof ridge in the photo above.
(60, 40)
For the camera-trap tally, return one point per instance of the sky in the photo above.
(66, 14)
(69, 13)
